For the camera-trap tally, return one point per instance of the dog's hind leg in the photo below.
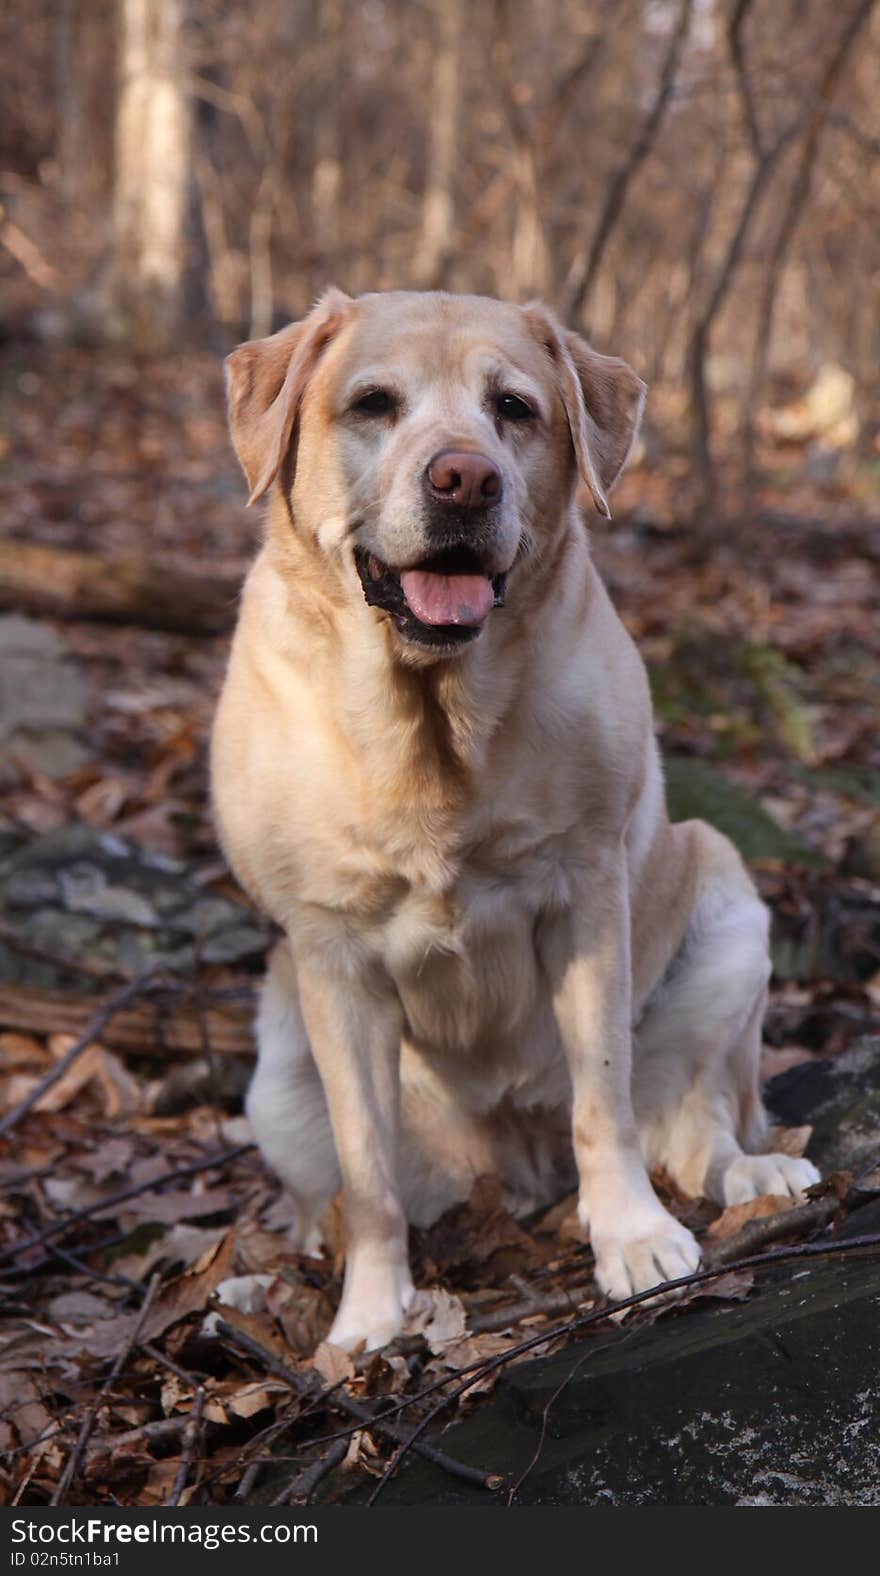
(286, 1103)
(696, 1080)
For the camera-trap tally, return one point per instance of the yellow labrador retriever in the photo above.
(434, 767)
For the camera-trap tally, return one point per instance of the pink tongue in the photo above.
(447, 599)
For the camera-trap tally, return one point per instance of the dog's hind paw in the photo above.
(753, 1176)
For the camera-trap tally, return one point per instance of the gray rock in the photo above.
(90, 896)
(42, 700)
(771, 1401)
(840, 1096)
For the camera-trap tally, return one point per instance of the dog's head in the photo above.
(430, 443)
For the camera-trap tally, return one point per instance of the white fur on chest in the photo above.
(466, 967)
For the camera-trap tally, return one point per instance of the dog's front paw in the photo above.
(643, 1253)
(753, 1176)
(374, 1320)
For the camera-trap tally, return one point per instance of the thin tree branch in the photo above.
(74, 1459)
(738, 17)
(481, 1369)
(797, 202)
(304, 1385)
(190, 1439)
(92, 1032)
(58, 1227)
(305, 1482)
(583, 275)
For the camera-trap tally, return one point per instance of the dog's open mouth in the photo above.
(443, 600)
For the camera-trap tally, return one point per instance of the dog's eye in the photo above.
(511, 408)
(376, 402)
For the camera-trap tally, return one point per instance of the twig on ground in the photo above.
(188, 1442)
(264, 1438)
(74, 1459)
(812, 1216)
(305, 1482)
(58, 1227)
(551, 1305)
(480, 1369)
(159, 1430)
(139, 987)
(77, 1264)
(364, 1415)
(158, 1356)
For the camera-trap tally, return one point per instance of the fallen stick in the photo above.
(481, 1368)
(90, 1034)
(188, 1444)
(62, 583)
(159, 1431)
(74, 1459)
(812, 1216)
(529, 1307)
(58, 1227)
(140, 1027)
(305, 1482)
(364, 1416)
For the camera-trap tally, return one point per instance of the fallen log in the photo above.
(59, 583)
(157, 1026)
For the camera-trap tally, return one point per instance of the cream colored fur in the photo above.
(499, 954)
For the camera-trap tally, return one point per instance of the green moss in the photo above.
(697, 790)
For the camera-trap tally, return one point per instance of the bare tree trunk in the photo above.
(435, 245)
(529, 261)
(327, 167)
(766, 158)
(797, 201)
(84, 50)
(583, 273)
(145, 284)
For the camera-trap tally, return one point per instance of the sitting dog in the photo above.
(434, 766)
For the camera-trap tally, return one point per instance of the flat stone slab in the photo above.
(771, 1401)
(774, 1401)
(42, 701)
(86, 895)
(840, 1096)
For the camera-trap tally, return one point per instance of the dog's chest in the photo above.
(463, 955)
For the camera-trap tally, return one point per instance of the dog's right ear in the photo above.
(265, 383)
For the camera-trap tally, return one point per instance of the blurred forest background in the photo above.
(694, 184)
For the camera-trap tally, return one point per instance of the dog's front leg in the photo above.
(354, 1028)
(636, 1242)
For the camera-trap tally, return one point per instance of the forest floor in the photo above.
(158, 1332)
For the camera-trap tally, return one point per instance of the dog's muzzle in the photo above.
(443, 601)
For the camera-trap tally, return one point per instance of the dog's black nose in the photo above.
(469, 480)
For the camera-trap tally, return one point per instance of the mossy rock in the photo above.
(694, 789)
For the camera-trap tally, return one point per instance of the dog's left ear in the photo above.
(265, 382)
(603, 400)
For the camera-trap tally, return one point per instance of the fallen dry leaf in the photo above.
(774, 1062)
(191, 1292)
(332, 1363)
(22, 1050)
(253, 1398)
(732, 1287)
(732, 1219)
(791, 1141)
(438, 1316)
(474, 1349)
(362, 1452)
